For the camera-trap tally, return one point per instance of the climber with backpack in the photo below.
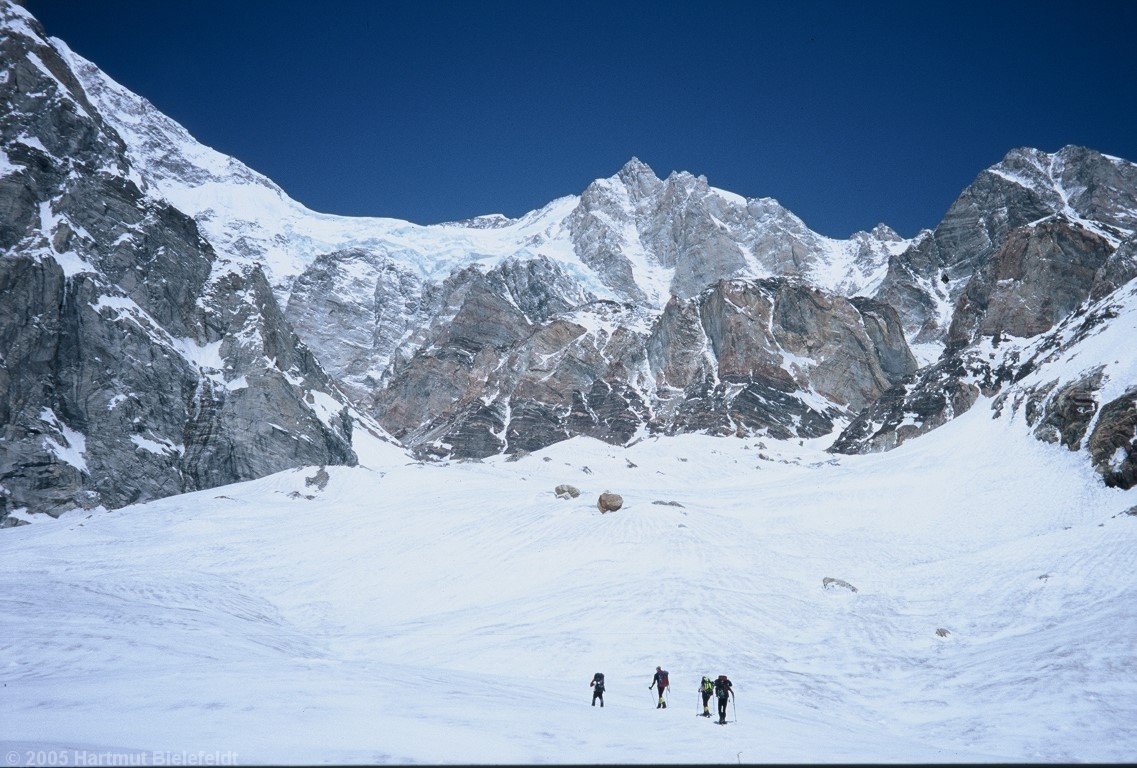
(723, 689)
(659, 682)
(597, 686)
(706, 688)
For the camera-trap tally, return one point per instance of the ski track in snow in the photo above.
(456, 613)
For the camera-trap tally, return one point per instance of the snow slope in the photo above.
(456, 612)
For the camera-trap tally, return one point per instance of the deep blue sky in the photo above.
(849, 113)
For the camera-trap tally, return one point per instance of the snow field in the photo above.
(456, 613)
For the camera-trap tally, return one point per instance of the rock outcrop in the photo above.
(915, 406)
(1061, 414)
(772, 356)
(1113, 443)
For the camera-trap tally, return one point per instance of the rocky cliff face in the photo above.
(773, 357)
(447, 362)
(1041, 274)
(133, 367)
(1084, 187)
(1033, 285)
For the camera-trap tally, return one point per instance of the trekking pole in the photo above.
(735, 708)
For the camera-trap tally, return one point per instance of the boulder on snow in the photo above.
(941, 632)
(609, 502)
(566, 492)
(831, 583)
(320, 479)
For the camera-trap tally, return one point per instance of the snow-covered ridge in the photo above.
(17, 20)
(248, 218)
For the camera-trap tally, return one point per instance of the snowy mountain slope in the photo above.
(372, 296)
(1075, 384)
(247, 217)
(298, 619)
(1078, 386)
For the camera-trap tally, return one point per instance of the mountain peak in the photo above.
(884, 232)
(639, 178)
(636, 168)
(1020, 152)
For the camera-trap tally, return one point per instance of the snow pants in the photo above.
(722, 709)
(597, 693)
(706, 700)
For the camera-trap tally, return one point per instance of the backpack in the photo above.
(663, 679)
(708, 686)
(598, 681)
(722, 687)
